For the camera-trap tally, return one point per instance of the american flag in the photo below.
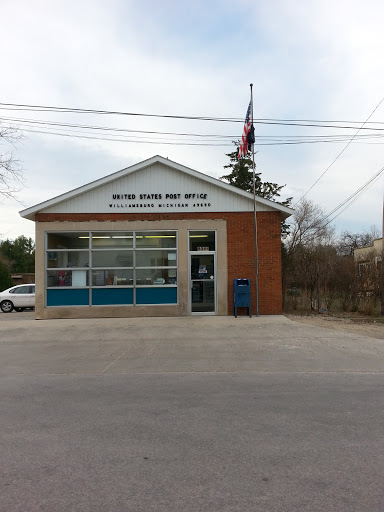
(247, 127)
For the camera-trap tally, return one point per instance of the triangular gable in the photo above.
(156, 185)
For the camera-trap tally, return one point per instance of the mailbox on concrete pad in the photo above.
(242, 295)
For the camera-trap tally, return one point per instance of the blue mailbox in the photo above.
(242, 295)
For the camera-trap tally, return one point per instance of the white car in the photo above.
(18, 298)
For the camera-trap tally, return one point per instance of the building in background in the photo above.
(369, 261)
(376, 249)
(23, 278)
(155, 239)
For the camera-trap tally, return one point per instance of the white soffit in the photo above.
(157, 185)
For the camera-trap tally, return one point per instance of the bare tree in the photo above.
(308, 254)
(308, 227)
(319, 270)
(346, 282)
(348, 241)
(11, 176)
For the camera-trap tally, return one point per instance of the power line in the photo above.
(353, 200)
(125, 140)
(44, 108)
(276, 140)
(341, 152)
(344, 205)
(106, 128)
(262, 140)
(112, 138)
(266, 121)
(355, 195)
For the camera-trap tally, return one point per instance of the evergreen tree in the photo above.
(20, 253)
(5, 276)
(241, 176)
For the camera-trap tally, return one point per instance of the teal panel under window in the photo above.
(112, 296)
(156, 295)
(67, 297)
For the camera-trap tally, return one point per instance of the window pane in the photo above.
(112, 240)
(112, 258)
(62, 259)
(156, 239)
(68, 240)
(203, 297)
(156, 277)
(203, 266)
(156, 258)
(67, 278)
(202, 241)
(21, 289)
(119, 277)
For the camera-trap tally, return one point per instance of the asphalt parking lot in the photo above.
(189, 344)
(189, 414)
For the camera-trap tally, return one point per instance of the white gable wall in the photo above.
(126, 195)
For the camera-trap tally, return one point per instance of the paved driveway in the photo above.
(191, 344)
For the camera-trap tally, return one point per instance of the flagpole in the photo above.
(254, 213)
(382, 265)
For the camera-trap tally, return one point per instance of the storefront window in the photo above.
(63, 259)
(202, 241)
(116, 277)
(68, 241)
(156, 239)
(114, 258)
(65, 278)
(112, 240)
(153, 258)
(111, 261)
(156, 276)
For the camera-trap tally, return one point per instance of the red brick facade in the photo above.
(240, 247)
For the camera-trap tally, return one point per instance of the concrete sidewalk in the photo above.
(187, 344)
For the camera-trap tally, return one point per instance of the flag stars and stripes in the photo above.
(247, 128)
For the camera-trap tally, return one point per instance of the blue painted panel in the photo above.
(156, 295)
(67, 297)
(111, 296)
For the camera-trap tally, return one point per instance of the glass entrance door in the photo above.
(203, 288)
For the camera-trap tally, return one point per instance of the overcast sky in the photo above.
(320, 60)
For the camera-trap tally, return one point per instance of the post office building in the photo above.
(155, 239)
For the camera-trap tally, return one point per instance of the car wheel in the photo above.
(6, 306)
(19, 310)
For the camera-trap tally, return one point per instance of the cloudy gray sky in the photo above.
(317, 60)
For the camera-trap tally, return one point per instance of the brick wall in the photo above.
(241, 248)
(241, 258)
